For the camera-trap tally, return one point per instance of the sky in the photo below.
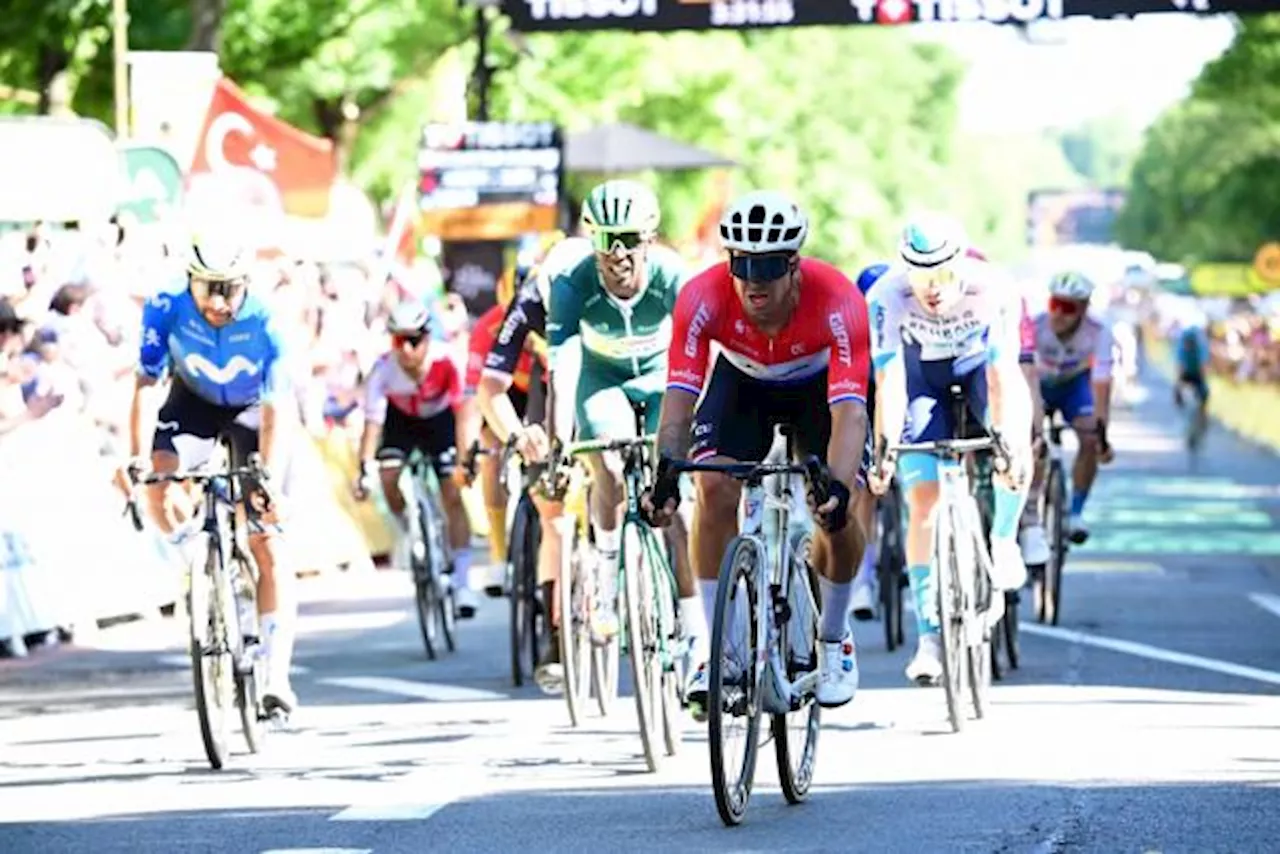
(1082, 68)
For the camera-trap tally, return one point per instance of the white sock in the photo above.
(707, 593)
(608, 543)
(833, 623)
(694, 625)
(462, 569)
(277, 647)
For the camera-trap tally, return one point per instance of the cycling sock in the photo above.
(497, 534)
(1008, 507)
(462, 569)
(833, 622)
(867, 569)
(693, 626)
(1078, 498)
(707, 593)
(608, 544)
(925, 598)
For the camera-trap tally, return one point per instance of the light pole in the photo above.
(481, 73)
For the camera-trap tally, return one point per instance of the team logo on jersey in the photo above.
(844, 349)
(236, 366)
(701, 318)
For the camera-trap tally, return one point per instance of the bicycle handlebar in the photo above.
(253, 469)
(816, 474)
(596, 446)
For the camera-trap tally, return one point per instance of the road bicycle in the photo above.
(221, 599)
(649, 595)
(1046, 579)
(968, 608)
(891, 562)
(1004, 639)
(768, 588)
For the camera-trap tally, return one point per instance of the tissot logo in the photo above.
(993, 11)
(555, 10)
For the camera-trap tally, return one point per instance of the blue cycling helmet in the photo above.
(870, 275)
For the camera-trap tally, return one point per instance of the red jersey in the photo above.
(1027, 336)
(829, 331)
(483, 335)
(439, 389)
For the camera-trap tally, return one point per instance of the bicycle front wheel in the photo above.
(642, 636)
(575, 638)
(951, 619)
(733, 686)
(795, 735)
(249, 664)
(1050, 590)
(212, 667)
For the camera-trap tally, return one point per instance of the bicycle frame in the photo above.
(956, 511)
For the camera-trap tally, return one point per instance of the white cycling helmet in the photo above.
(1071, 285)
(407, 318)
(763, 221)
(220, 259)
(931, 240)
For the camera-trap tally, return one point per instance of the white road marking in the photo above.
(406, 688)
(1266, 601)
(354, 622)
(389, 812)
(1154, 653)
(182, 662)
(318, 851)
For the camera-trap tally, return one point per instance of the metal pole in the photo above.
(482, 72)
(120, 38)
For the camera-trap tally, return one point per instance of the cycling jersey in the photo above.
(827, 332)
(236, 365)
(484, 342)
(1088, 350)
(628, 336)
(1027, 330)
(1192, 351)
(439, 389)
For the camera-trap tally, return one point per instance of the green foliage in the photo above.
(1206, 184)
(1101, 151)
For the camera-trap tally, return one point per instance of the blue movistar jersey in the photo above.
(1192, 350)
(237, 365)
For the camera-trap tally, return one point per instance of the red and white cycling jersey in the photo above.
(439, 388)
(1027, 334)
(828, 331)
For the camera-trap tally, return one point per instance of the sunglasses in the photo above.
(1065, 306)
(761, 269)
(931, 277)
(606, 241)
(228, 288)
(412, 340)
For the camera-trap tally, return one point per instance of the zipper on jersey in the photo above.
(625, 311)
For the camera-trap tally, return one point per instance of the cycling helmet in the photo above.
(931, 240)
(763, 221)
(621, 205)
(1072, 286)
(221, 260)
(407, 318)
(870, 275)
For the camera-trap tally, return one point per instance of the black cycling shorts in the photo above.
(738, 412)
(402, 434)
(1197, 381)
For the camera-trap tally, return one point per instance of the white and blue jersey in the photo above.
(235, 366)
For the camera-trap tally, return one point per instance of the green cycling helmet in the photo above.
(621, 206)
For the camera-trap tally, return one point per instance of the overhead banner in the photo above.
(1072, 217)
(489, 180)
(557, 15)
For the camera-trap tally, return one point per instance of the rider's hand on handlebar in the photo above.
(881, 474)
(660, 502)
(532, 443)
(363, 484)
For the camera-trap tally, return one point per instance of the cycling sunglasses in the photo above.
(413, 339)
(606, 241)
(761, 269)
(227, 288)
(1065, 306)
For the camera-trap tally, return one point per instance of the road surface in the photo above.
(1148, 721)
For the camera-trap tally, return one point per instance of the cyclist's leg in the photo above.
(400, 435)
(731, 423)
(1077, 409)
(864, 596)
(439, 439)
(1009, 572)
(495, 497)
(550, 670)
(277, 580)
(186, 430)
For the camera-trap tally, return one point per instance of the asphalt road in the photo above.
(1148, 721)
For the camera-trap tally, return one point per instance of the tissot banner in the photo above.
(555, 15)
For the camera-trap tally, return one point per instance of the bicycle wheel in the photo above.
(519, 598)
(249, 667)
(575, 639)
(1056, 523)
(605, 662)
(212, 668)
(951, 620)
(795, 735)
(641, 629)
(733, 689)
(439, 562)
(672, 692)
(1012, 600)
(978, 654)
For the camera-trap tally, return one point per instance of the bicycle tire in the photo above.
(606, 661)
(795, 768)
(519, 602)
(672, 671)
(888, 572)
(641, 628)
(436, 543)
(248, 678)
(979, 657)
(208, 649)
(732, 800)
(575, 641)
(526, 631)
(1012, 601)
(950, 623)
(1059, 545)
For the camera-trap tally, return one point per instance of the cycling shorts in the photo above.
(188, 426)
(603, 403)
(737, 414)
(1073, 398)
(931, 412)
(434, 437)
(1196, 380)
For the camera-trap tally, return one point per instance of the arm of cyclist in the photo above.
(564, 343)
(514, 337)
(891, 384)
(466, 425)
(848, 367)
(153, 362)
(1100, 377)
(375, 414)
(1010, 397)
(277, 400)
(1027, 360)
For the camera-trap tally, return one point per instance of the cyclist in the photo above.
(1192, 358)
(864, 597)
(412, 398)
(504, 408)
(792, 332)
(608, 327)
(945, 319)
(1073, 358)
(224, 353)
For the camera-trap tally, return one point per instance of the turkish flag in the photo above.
(248, 157)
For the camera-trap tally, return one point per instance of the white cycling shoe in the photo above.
(1008, 572)
(1035, 545)
(837, 672)
(466, 601)
(925, 667)
(862, 601)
